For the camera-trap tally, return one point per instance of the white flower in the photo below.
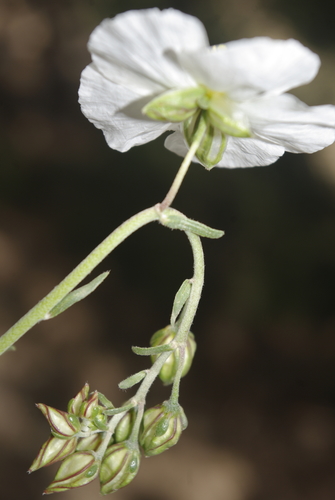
(140, 56)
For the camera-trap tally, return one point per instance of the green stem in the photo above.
(190, 309)
(197, 285)
(176, 383)
(38, 313)
(184, 327)
(183, 168)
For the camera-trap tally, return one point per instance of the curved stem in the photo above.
(190, 309)
(197, 285)
(183, 168)
(43, 307)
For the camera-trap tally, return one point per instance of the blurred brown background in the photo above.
(261, 395)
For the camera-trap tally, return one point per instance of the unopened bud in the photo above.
(63, 425)
(169, 369)
(52, 451)
(124, 427)
(119, 467)
(90, 407)
(75, 403)
(162, 428)
(90, 443)
(78, 469)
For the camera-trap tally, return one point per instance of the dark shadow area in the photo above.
(260, 397)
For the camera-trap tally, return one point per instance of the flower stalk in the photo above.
(41, 310)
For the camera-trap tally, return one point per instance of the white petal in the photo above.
(248, 67)
(117, 111)
(249, 152)
(287, 121)
(239, 152)
(137, 48)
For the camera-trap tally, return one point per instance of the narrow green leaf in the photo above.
(180, 300)
(76, 295)
(149, 351)
(133, 380)
(105, 401)
(115, 411)
(175, 221)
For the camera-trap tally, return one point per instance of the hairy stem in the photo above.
(43, 307)
(183, 168)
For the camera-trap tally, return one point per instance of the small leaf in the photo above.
(180, 300)
(76, 295)
(133, 380)
(103, 400)
(149, 351)
(179, 221)
(115, 411)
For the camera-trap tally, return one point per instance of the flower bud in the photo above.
(124, 427)
(52, 451)
(119, 467)
(161, 428)
(169, 369)
(90, 443)
(90, 407)
(75, 403)
(78, 469)
(63, 425)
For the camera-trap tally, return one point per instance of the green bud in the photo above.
(52, 451)
(90, 408)
(161, 428)
(75, 403)
(119, 467)
(90, 443)
(78, 469)
(169, 369)
(175, 105)
(63, 425)
(124, 427)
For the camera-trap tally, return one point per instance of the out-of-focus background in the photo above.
(261, 394)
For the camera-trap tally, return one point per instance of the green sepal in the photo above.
(220, 114)
(76, 470)
(76, 402)
(175, 105)
(125, 426)
(161, 428)
(53, 450)
(150, 351)
(63, 425)
(213, 143)
(180, 300)
(76, 295)
(90, 443)
(133, 380)
(169, 369)
(100, 421)
(119, 467)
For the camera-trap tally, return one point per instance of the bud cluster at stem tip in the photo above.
(88, 448)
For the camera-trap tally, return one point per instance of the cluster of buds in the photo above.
(78, 436)
(91, 444)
